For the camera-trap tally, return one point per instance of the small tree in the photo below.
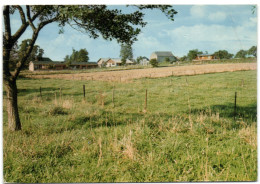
(167, 59)
(193, 54)
(241, 54)
(126, 52)
(183, 58)
(77, 56)
(154, 62)
(253, 51)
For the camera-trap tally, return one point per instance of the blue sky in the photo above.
(203, 27)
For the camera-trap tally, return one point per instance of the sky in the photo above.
(204, 27)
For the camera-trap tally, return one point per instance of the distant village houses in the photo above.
(55, 65)
(111, 62)
(145, 61)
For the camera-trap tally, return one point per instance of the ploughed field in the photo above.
(185, 129)
(128, 75)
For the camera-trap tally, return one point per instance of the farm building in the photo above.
(161, 56)
(113, 62)
(51, 65)
(102, 62)
(205, 57)
(144, 62)
(83, 65)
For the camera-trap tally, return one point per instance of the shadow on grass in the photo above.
(105, 119)
(228, 111)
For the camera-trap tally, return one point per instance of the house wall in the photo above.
(205, 57)
(101, 63)
(160, 58)
(31, 66)
(111, 63)
(153, 56)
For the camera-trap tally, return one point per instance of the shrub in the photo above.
(57, 111)
(154, 62)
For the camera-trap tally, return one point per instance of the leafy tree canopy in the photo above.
(223, 54)
(193, 54)
(253, 51)
(77, 56)
(126, 52)
(241, 54)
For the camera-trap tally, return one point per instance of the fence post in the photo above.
(145, 105)
(60, 94)
(41, 92)
(235, 106)
(113, 96)
(84, 91)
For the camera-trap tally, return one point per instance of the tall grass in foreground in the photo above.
(187, 132)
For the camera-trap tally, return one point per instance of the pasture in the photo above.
(187, 132)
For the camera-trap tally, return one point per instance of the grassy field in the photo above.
(186, 133)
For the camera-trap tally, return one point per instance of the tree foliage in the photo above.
(126, 52)
(193, 54)
(154, 63)
(223, 54)
(167, 59)
(94, 20)
(18, 51)
(241, 54)
(77, 56)
(253, 51)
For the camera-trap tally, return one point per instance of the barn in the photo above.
(83, 65)
(102, 62)
(161, 56)
(117, 62)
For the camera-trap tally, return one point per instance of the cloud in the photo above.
(198, 11)
(212, 37)
(148, 44)
(217, 16)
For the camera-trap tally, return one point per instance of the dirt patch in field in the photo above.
(128, 75)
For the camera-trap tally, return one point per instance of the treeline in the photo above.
(221, 54)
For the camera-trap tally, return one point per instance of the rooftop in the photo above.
(163, 53)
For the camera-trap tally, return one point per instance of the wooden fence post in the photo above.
(235, 106)
(60, 94)
(145, 105)
(113, 96)
(41, 92)
(84, 91)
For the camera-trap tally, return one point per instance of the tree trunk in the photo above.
(14, 123)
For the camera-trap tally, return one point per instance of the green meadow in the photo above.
(188, 131)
